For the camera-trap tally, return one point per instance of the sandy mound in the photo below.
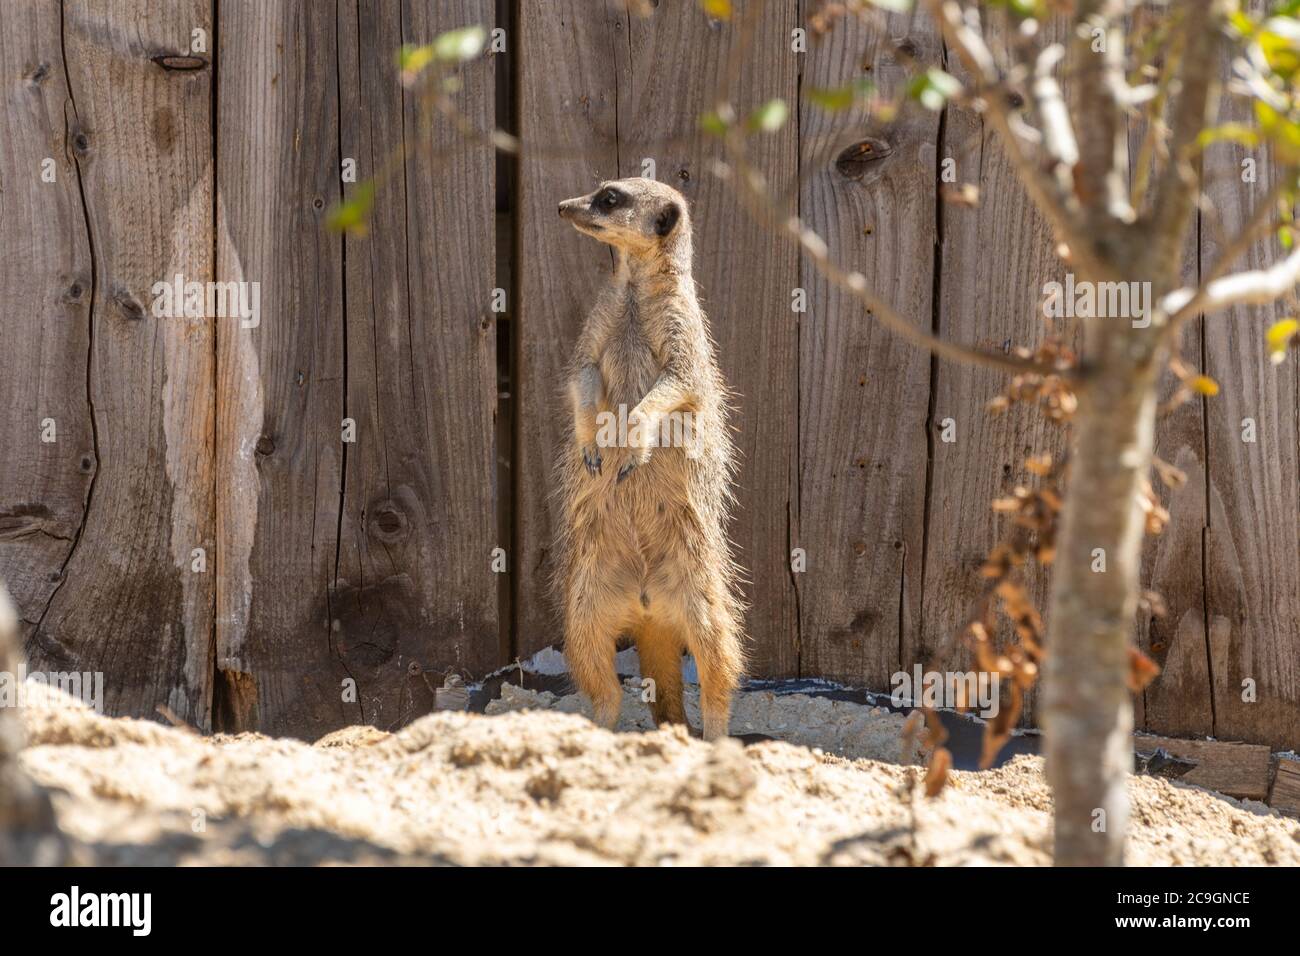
(548, 787)
(837, 726)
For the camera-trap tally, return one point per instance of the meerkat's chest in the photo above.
(629, 363)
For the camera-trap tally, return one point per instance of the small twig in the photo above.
(1182, 304)
(1060, 208)
(756, 200)
(1256, 287)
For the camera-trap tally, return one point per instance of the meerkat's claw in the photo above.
(591, 458)
(625, 471)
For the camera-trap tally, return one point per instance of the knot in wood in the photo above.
(856, 160)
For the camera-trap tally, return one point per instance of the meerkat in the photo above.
(645, 476)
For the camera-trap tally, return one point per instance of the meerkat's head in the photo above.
(641, 217)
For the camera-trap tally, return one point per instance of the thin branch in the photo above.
(1153, 139)
(1176, 195)
(1103, 94)
(1256, 287)
(1057, 205)
(1182, 304)
(1058, 130)
(756, 199)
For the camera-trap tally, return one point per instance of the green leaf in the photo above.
(456, 46)
(1232, 132)
(352, 216)
(769, 117)
(933, 88)
(1279, 41)
(412, 60)
(1279, 337)
(837, 99)
(1281, 130)
(1027, 9)
(713, 124)
(1284, 236)
(1241, 23)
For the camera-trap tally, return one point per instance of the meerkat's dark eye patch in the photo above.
(666, 221)
(608, 199)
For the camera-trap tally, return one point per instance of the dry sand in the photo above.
(546, 787)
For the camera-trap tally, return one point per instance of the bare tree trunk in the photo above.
(28, 831)
(1088, 713)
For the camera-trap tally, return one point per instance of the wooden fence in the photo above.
(179, 507)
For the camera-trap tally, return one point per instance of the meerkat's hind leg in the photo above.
(590, 641)
(719, 661)
(660, 652)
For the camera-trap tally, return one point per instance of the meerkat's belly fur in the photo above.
(642, 543)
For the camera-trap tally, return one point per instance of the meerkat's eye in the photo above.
(609, 200)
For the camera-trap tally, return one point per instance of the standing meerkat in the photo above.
(645, 479)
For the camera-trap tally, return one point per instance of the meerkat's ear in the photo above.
(666, 221)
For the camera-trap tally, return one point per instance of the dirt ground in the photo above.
(547, 787)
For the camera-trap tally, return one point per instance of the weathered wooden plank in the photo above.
(1178, 701)
(1285, 795)
(45, 279)
(995, 260)
(1239, 770)
(1252, 550)
(1253, 547)
(280, 663)
(557, 269)
(746, 273)
(864, 393)
(415, 596)
(131, 600)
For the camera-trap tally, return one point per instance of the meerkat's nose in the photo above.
(567, 207)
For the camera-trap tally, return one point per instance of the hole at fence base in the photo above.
(234, 702)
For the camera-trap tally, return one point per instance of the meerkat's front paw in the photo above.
(591, 458)
(637, 458)
(640, 441)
